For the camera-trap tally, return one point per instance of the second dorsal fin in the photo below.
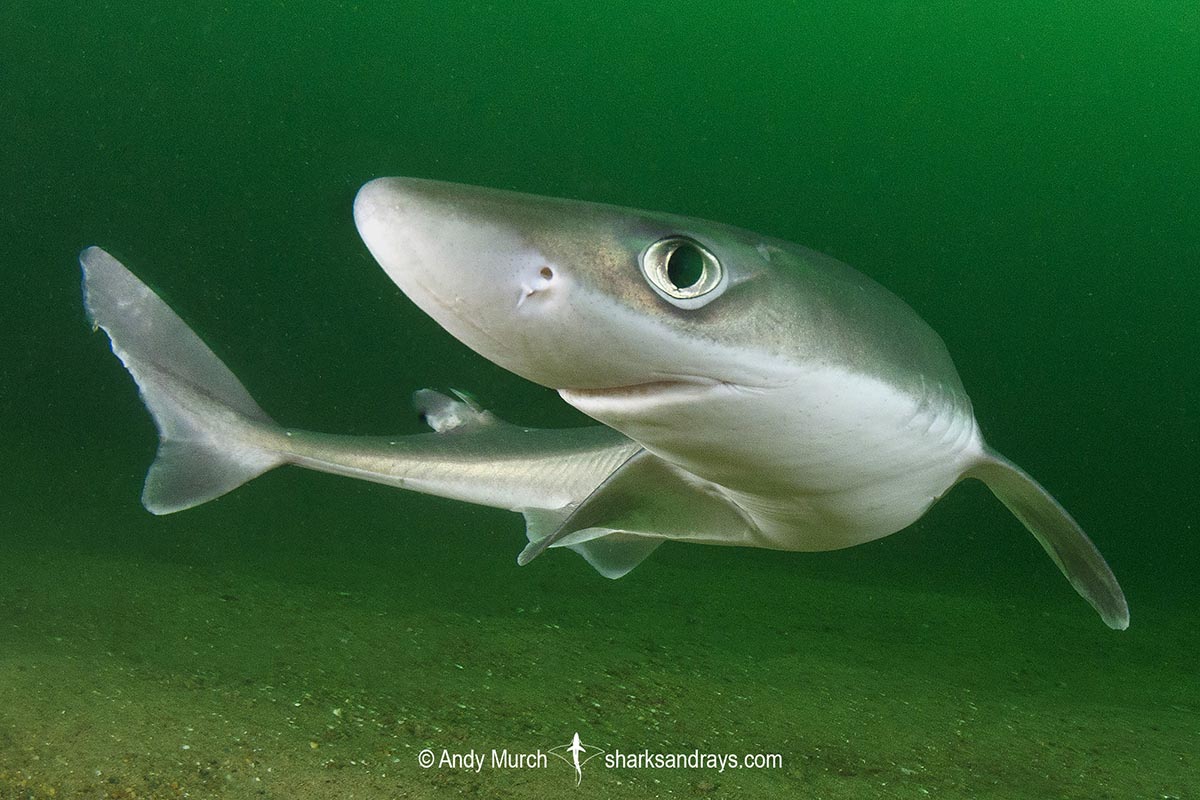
(444, 413)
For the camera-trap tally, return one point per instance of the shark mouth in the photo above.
(681, 388)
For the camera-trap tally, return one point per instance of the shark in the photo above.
(749, 391)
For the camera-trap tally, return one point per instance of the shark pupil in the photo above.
(685, 266)
(682, 271)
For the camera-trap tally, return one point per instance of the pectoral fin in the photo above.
(644, 501)
(1062, 538)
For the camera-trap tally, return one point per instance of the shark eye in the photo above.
(682, 271)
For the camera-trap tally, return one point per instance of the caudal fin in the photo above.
(205, 417)
(1059, 534)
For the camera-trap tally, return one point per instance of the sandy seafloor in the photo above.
(258, 648)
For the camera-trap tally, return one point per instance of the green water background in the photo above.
(1023, 174)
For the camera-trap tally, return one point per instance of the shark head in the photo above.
(595, 301)
(691, 337)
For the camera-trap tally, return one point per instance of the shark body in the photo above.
(751, 392)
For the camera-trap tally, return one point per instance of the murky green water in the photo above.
(1023, 175)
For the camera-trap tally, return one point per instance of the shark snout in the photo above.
(442, 247)
(460, 255)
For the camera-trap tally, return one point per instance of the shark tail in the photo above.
(1060, 535)
(206, 419)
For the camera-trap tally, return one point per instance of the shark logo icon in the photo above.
(576, 754)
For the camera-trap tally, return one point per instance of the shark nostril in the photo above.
(542, 283)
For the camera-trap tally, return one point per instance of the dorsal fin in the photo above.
(443, 413)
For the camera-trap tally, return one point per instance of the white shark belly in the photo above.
(827, 460)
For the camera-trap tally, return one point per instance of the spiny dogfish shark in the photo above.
(750, 391)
